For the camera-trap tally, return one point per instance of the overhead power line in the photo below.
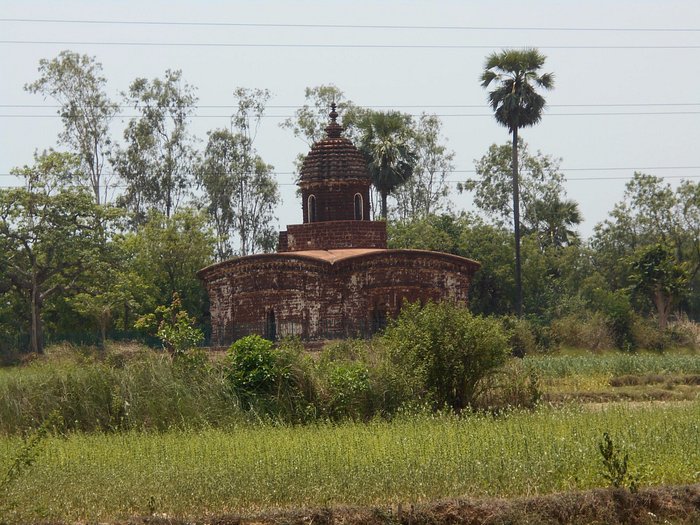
(351, 26)
(338, 46)
(375, 106)
(599, 168)
(450, 181)
(443, 115)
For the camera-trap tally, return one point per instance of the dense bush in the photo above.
(344, 390)
(587, 330)
(513, 386)
(445, 351)
(521, 338)
(685, 333)
(271, 380)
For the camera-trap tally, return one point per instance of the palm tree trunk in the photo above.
(516, 228)
(384, 196)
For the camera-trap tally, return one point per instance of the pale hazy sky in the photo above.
(625, 97)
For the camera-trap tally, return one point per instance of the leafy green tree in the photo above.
(385, 141)
(492, 289)
(240, 195)
(310, 121)
(240, 190)
(167, 253)
(516, 104)
(75, 81)
(545, 210)
(159, 156)
(114, 292)
(446, 352)
(656, 274)
(554, 220)
(426, 191)
(435, 233)
(49, 234)
(652, 212)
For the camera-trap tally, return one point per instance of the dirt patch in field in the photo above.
(679, 505)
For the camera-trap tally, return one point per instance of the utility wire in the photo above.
(374, 106)
(349, 26)
(616, 168)
(444, 115)
(338, 46)
(449, 181)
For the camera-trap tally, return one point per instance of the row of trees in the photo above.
(108, 229)
(77, 255)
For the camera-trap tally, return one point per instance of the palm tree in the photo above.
(385, 143)
(555, 221)
(516, 104)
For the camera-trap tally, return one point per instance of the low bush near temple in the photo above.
(446, 352)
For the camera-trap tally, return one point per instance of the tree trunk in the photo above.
(384, 194)
(516, 227)
(36, 331)
(663, 308)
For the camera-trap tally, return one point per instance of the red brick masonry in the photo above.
(332, 276)
(327, 293)
(333, 235)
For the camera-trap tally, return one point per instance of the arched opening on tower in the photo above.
(359, 208)
(311, 211)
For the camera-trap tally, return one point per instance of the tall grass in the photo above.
(99, 477)
(147, 391)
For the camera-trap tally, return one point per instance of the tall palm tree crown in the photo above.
(516, 104)
(385, 142)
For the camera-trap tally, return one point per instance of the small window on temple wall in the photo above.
(359, 209)
(312, 208)
(270, 326)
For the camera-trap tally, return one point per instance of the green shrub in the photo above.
(521, 335)
(256, 367)
(345, 390)
(513, 386)
(274, 381)
(173, 326)
(445, 352)
(685, 334)
(590, 331)
(645, 334)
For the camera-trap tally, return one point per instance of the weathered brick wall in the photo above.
(333, 235)
(313, 298)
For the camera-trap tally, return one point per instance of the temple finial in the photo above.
(333, 130)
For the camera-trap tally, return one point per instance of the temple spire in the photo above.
(333, 130)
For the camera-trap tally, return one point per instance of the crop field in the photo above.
(644, 376)
(613, 364)
(106, 476)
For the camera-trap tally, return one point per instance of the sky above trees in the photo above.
(625, 98)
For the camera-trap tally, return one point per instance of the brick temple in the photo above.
(332, 275)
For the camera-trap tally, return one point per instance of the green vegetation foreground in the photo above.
(100, 477)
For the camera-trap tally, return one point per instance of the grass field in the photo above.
(145, 437)
(99, 477)
(617, 376)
